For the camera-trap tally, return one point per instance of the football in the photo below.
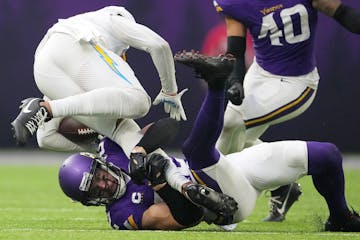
(76, 131)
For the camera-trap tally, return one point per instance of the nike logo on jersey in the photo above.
(26, 108)
(283, 80)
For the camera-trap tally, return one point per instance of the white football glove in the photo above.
(172, 104)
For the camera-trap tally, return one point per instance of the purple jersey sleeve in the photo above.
(114, 154)
(283, 32)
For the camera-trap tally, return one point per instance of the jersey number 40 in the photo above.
(269, 25)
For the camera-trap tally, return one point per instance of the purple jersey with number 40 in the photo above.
(283, 32)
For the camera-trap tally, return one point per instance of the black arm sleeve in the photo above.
(183, 211)
(159, 134)
(348, 17)
(236, 47)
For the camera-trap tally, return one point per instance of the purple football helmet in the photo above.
(77, 173)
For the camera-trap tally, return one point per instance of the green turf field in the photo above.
(32, 206)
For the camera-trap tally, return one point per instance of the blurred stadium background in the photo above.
(185, 24)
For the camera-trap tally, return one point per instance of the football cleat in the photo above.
(211, 69)
(216, 202)
(280, 204)
(215, 71)
(351, 223)
(32, 115)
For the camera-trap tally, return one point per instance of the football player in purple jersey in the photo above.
(282, 81)
(241, 175)
(131, 204)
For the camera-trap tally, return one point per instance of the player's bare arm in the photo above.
(234, 27)
(159, 216)
(327, 7)
(347, 16)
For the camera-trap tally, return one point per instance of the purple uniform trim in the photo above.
(282, 111)
(283, 32)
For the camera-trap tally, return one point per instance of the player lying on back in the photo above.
(132, 204)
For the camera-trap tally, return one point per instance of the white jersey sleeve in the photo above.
(143, 38)
(178, 173)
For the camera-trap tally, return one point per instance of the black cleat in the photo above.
(211, 69)
(32, 115)
(351, 223)
(216, 71)
(280, 204)
(218, 203)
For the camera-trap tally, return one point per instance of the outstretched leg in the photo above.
(199, 147)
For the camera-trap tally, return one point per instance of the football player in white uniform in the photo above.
(79, 68)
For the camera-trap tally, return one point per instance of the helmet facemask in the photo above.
(109, 175)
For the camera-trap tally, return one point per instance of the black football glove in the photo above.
(234, 90)
(151, 167)
(156, 166)
(137, 167)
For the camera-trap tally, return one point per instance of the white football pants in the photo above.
(89, 82)
(269, 99)
(244, 175)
